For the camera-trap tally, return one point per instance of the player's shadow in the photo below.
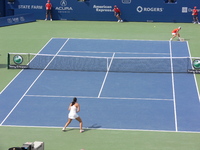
(94, 126)
(183, 40)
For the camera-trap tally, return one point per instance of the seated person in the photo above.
(170, 1)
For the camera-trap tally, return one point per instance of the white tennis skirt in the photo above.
(73, 116)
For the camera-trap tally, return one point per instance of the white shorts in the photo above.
(173, 33)
(73, 116)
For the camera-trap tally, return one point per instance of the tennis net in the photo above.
(103, 64)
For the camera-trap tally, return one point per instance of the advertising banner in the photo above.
(16, 19)
(102, 10)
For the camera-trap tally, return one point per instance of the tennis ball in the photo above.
(154, 26)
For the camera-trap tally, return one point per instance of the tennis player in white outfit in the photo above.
(74, 108)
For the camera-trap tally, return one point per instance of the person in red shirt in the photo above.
(117, 13)
(175, 33)
(195, 15)
(48, 10)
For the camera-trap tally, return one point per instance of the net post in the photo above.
(8, 61)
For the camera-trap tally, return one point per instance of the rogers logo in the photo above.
(148, 9)
(139, 9)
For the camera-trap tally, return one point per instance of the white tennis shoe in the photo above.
(81, 131)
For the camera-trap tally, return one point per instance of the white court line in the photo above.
(89, 128)
(106, 75)
(115, 52)
(32, 84)
(117, 39)
(173, 88)
(23, 69)
(194, 73)
(11, 82)
(88, 97)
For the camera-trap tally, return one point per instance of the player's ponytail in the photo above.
(74, 101)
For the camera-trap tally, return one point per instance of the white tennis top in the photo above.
(73, 112)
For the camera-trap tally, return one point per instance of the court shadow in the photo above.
(94, 126)
(3, 65)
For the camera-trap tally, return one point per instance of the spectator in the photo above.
(195, 15)
(117, 13)
(48, 10)
(170, 1)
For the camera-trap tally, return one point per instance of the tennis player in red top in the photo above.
(195, 15)
(117, 13)
(175, 33)
(48, 10)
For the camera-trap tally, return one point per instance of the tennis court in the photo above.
(109, 99)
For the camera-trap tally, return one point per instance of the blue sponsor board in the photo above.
(2, 9)
(16, 19)
(102, 10)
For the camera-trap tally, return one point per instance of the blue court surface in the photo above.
(109, 100)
